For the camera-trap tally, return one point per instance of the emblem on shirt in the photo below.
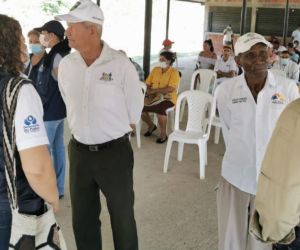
(31, 125)
(278, 98)
(239, 100)
(106, 76)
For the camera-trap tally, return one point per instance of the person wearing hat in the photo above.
(285, 64)
(249, 106)
(167, 43)
(103, 96)
(52, 36)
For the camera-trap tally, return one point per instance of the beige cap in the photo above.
(245, 42)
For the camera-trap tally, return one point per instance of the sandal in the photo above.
(161, 141)
(149, 133)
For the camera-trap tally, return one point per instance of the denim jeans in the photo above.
(55, 132)
(5, 226)
(295, 245)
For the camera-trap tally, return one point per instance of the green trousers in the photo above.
(109, 169)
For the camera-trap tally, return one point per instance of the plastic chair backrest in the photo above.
(200, 105)
(144, 88)
(207, 80)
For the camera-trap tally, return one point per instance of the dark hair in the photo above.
(296, 41)
(170, 56)
(10, 51)
(209, 42)
(290, 45)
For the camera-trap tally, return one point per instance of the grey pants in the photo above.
(234, 208)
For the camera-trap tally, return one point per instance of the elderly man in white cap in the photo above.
(249, 106)
(103, 97)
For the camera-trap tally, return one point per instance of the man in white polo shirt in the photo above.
(249, 106)
(225, 66)
(296, 34)
(103, 96)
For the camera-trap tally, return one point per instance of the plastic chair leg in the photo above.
(167, 155)
(217, 135)
(155, 119)
(138, 134)
(180, 151)
(205, 154)
(202, 160)
(172, 117)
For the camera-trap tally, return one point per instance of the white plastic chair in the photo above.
(207, 84)
(200, 105)
(138, 126)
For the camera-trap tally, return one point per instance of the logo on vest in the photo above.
(106, 76)
(278, 98)
(31, 125)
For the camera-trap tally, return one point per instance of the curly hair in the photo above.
(10, 51)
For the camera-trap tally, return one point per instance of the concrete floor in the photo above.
(174, 211)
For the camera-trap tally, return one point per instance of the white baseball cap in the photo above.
(245, 42)
(83, 11)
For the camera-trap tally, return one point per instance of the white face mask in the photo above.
(284, 61)
(163, 65)
(45, 42)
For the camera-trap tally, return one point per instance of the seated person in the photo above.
(225, 66)
(273, 58)
(162, 84)
(207, 58)
(288, 66)
(167, 46)
(294, 55)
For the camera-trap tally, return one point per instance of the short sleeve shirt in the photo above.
(158, 79)
(29, 125)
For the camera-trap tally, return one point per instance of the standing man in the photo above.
(249, 106)
(103, 97)
(277, 203)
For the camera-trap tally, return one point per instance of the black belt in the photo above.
(97, 147)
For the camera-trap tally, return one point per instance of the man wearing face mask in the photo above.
(52, 36)
(288, 66)
(37, 55)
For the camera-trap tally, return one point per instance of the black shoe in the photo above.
(161, 141)
(61, 196)
(149, 133)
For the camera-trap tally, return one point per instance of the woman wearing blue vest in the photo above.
(52, 36)
(36, 180)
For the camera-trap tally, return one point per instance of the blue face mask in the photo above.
(36, 48)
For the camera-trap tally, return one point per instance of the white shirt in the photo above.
(29, 124)
(247, 126)
(221, 65)
(291, 69)
(102, 99)
(296, 35)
